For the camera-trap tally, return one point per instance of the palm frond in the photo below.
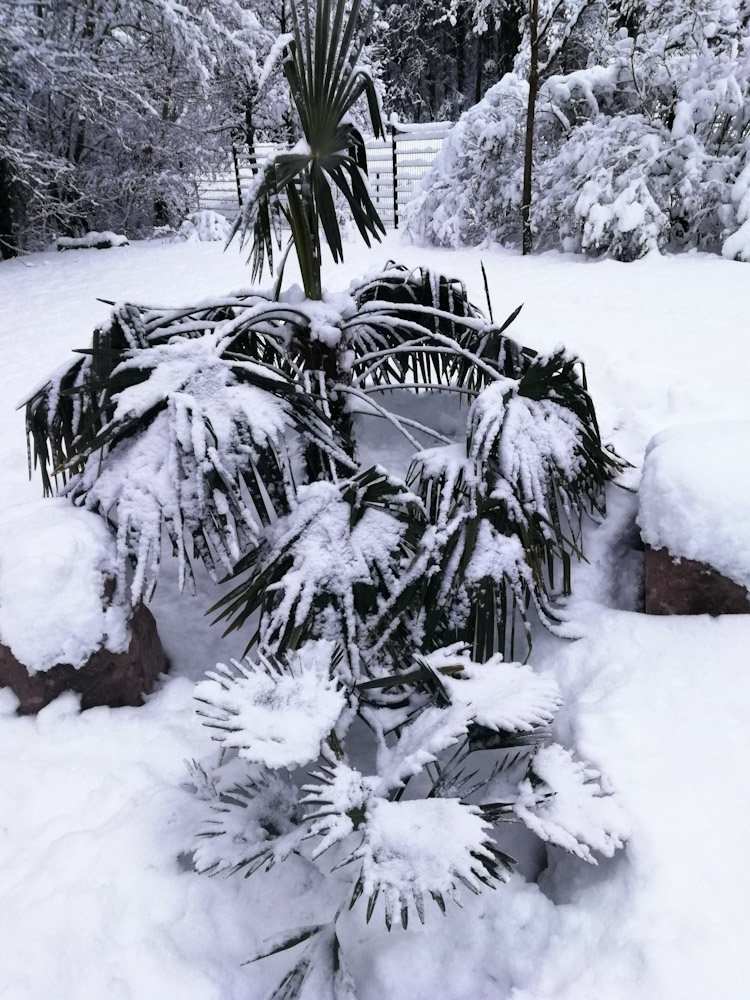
(420, 328)
(333, 558)
(183, 420)
(325, 81)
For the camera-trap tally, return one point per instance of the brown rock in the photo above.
(685, 587)
(113, 679)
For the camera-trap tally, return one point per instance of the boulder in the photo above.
(677, 586)
(114, 679)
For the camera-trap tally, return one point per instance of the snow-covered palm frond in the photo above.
(320, 972)
(419, 329)
(482, 571)
(511, 697)
(323, 570)
(539, 436)
(464, 696)
(250, 823)
(188, 420)
(403, 861)
(563, 802)
(273, 712)
(509, 508)
(419, 743)
(336, 800)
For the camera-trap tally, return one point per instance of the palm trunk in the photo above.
(528, 155)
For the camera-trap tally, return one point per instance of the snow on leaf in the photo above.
(507, 696)
(245, 822)
(497, 557)
(200, 428)
(337, 801)
(424, 847)
(529, 438)
(419, 743)
(568, 807)
(318, 538)
(275, 714)
(320, 973)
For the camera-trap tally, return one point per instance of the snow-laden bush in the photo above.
(473, 190)
(646, 150)
(204, 227)
(607, 190)
(737, 246)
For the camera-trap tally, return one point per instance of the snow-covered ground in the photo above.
(97, 896)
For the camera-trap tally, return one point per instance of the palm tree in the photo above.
(228, 426)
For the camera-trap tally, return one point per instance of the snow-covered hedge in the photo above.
(649, 150)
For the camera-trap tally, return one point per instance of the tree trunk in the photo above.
(478, 91)
(461, 61)
(8, 244)
(528, 153)
(250, 98)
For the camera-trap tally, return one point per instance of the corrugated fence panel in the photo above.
(411, 148)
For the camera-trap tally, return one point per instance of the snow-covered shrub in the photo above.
(204, 227)
(737, 246)
(645, 150)
(473, 190)
(607, 190)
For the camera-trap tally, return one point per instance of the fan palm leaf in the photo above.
(325, 80)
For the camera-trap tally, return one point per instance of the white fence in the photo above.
(395, 166)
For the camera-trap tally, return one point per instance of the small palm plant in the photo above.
(366, 602)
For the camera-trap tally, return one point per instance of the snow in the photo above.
(507, 696)
(694, 496)
(55, 563)
(92, 241)
(96, 816)
(403, 854)
(569, 809)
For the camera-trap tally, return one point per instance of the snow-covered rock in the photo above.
(61, 628)
(694, 496)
